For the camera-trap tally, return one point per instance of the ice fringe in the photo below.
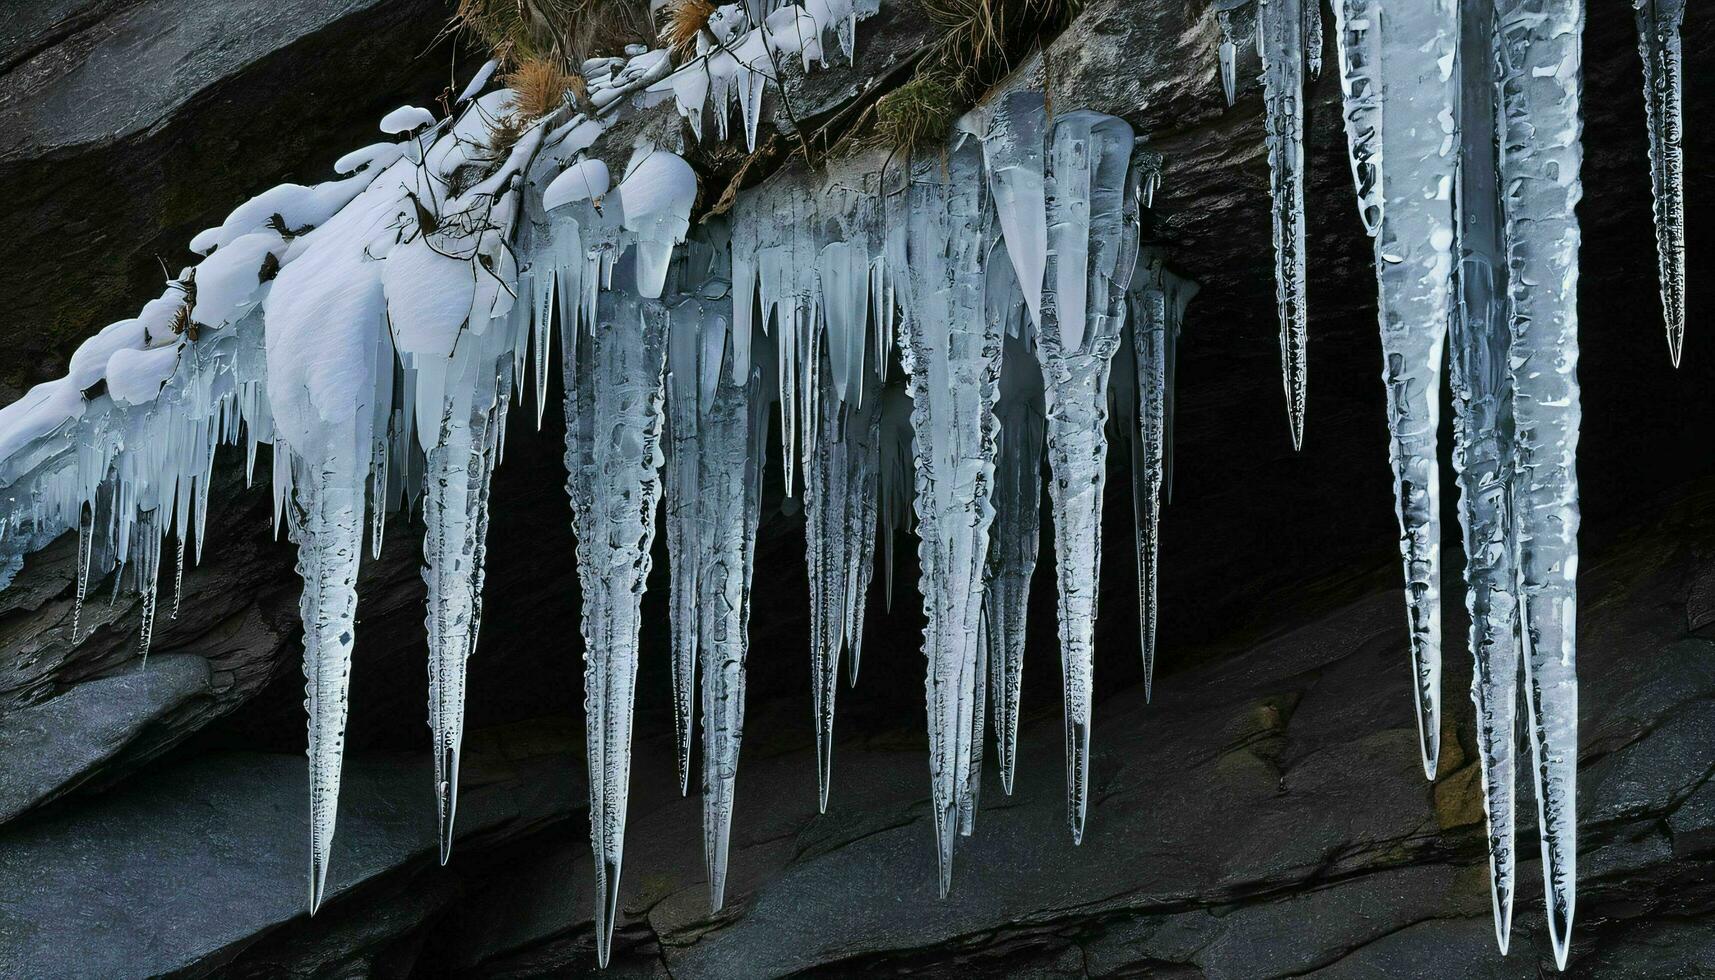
(367, 328)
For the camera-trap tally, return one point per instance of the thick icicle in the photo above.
(1414, 268)
(1482, 454)
(1157, 307)
(729, 504)
(939, 234)
(325, 517)
(1659, 46)
(614, 418)
(714, 500)
(1541, 83)
(1357, 37)
(455, 504)
(1016, 539)
(1092, 229)
(1280, 28)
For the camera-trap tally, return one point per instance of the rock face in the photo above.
(1268, 818)
(127, 126)
(1264, 817)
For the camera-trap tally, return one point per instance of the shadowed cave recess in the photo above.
(1263, 813)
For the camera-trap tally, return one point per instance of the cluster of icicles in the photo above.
(375, 329)
(1463, 128)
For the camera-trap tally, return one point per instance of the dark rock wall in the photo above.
(1264, 817)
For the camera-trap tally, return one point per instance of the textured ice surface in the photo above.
(1357, 36)
(939, 233)
(614, 390)
(1482, 455)
(1659, 46)
(1541, 155)
(1280, 26)
(1090, 230)
(1414, 271)
(374, 330)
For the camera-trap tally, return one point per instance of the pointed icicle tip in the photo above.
(1560, 929)
(607, 911)
(318, 882)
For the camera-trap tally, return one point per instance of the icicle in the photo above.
(1280, 30)
(85, 550)
(1092, 223)
(1357, 35)
(148, 559)
(1238, 21)
(1313, 37)
(179, 575)
(1540, 77)
(460, 465)
(1016, 540)
(1659, 46)
(1157, 306)
(683, 524)
(952, 356)
(1482, 456)
(1414, 267)
(614, 417)
(728, 502)
(840, 517)
(325, 518)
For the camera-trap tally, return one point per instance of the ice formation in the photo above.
(1076, 252)
(1280, 37)
(1463, 120)
(1414, 270)
(1659, 46)
(932, 330)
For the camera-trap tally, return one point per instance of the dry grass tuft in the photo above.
(681, 22)
(539, 86)
(975, 48)
(917, 114)
(520, 30)
(504, 132)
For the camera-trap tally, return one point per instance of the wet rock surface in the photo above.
(1266, 816)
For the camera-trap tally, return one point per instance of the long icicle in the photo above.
(1016, 541)
(1414, 268)
(1659, 46)
(1541, 83)
(1158, 299)
(952, 356)
(325, 515)
(1482, 453)
(839, 509)
(683, 524)
(614, 418)
(729, 505)
(1280, 29)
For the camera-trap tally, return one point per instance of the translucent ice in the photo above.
(1414, 269)
(1659, 46)
(1540, 83)
(1483, 438)
(1280, 31)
